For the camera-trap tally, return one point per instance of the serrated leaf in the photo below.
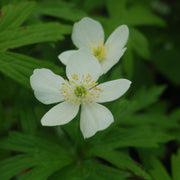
(40, 154)
(142, 136)
(64, 10)
(89, 170)
(20, 67)
(33, 34)
(122, 160)
(14, 15)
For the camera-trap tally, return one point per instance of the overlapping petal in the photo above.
(83, 63)
(46, 86)
(60, 114)
(94, 117)
(111, 59)
(113, 90)
(63, 57)
(86, 31)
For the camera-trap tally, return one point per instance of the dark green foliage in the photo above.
(142, 143)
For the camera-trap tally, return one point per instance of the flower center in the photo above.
(98, 49)
(80, 91)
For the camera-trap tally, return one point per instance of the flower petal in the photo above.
(83, 63)
(111, 59)
(60, 114)
(112, 90)
(64, 56)
(116, 42)
(118, 39)
(46, 86)
(94, 117)
(86, 31)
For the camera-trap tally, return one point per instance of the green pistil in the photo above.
(80, 91)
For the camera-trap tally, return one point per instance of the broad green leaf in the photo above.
(116, 8)
(175, 163)
(138, 15)
(122, 160)
(14, 15)
(139, 43)
(20, 67)
(60, 9)
(33, 34)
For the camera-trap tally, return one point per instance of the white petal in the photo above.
(113, 90)
(118, 39)
(86, 31)
(116, 42)
(94, 117)
(60, 114)
(64, 56)
(46, 86)
(83, 63)
(111, 59)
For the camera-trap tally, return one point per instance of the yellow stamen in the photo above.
(80, 91)
(98, 49)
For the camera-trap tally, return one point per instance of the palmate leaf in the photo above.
(142, 136)
(122, 160)
(14, 15)
(40, 154)
(89, 170)
(46, 32)
(60, 9)
(20, 67)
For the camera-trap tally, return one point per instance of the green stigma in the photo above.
(80, 91)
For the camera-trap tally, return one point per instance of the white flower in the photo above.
(81, 89)
(89, 35)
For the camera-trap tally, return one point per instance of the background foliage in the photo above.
(144, 141)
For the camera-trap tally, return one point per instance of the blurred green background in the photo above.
(144, 141)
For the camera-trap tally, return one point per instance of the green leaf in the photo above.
(167, 62)
(64, 10)
(89, 170)
(154, 119)
(40, 155)
(139, 43)
(116, 8)
(14, 15)
(33, 34)
(158, 171)
(122, 160)
(139, 15)
(175, 162)
(20, 67)
(142, 136)
(14, 165)
(128, 61)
